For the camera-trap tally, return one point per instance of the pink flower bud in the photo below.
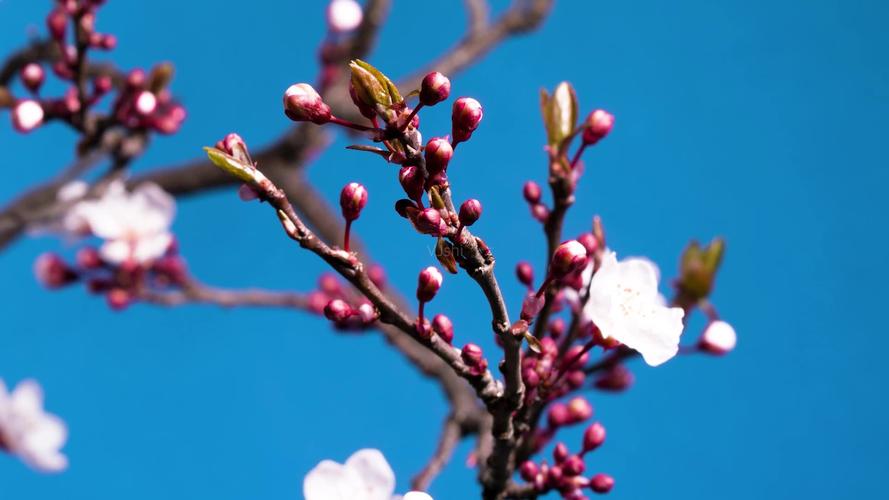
(429, 221)
(438, 154)
(27, 115)
(443, 327)
(531, 377)
(568, 257)
(472, 355)
(470, 211)
(579, 409)
(353, 198)
(146, 103)
(573, 466)
(558, 415)
(368, 313)
(525, 274)
(118, 299)
(528, 470)
(719, 338)
(593, 437)
(465, 117)
(32, 76)
(598, 125)
(377, 275)
(560, 453)
(601, 483)
(589, 242)
(344, 15)
(531, 306)
(412, 182)
(575, 379)
(554, 476)
(574, 356)
(303, 104)
(532, 192)
(88, 258)
(57, 23)
(337, 310)
(106, 42)
(102, 84)
(234, 145)
(428, 283)
(435, 88)
(52, 272)
(617, 378)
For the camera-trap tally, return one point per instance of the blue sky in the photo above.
(762, 121)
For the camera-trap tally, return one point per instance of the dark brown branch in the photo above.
(450, 438)
(197, 293)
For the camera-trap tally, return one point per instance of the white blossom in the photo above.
(27, 431)
(366, 475)
(135, 225)
(624, 304)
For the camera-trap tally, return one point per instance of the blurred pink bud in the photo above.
(558, 415)
(52, 272)
(88, 258)
(560, 453)
(531, 192)
(617, 378)
(136, 78)
(470, 211)
(368, 313)
(102, 84)
(540, 212)
(443, 327)
(27, 115)
(118, 299)
(531, 306)
(579, 409)
(146, 103)
(438, 154)
(57, 22)
(474, 358)
(412, 182)
(719, 338)
(247, 193)
(574, 356)
(337, 310)
(435, 88)
(302, 103)
(429, 221)
(589, 242)
(344, 15)
(528, 470)
(598, 125)
(353, 198)
(531, 377)
(601, 483)
(377, 275)
(573, 466)
(575, 379)
(107, 42)
(428, 283)
(525, 273)
(568, 257)
(465, 117)
(593, 437)
(32, 76)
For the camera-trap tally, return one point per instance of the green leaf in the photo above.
(228, 163)
(561, 114)
(372, 86)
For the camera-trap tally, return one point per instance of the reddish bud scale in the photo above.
(429, 221)
(303, 104)
(434, 89)
(353, 198)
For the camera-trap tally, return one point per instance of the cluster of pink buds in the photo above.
(142, 104)
(121, 284)
(565, 474)
(474, 358)
(533, 194)
(347, 310)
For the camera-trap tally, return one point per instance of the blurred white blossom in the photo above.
(27, 431)
(624, 304)
(344, 15)
(366, 475)
(135, 225)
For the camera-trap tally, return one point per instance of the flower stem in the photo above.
(577, 155)
(352, 125)
(348, 233)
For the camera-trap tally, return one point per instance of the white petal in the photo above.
(377, 476)
(416, 495)
(332, 481)
(105, 220)
(71, 191)
(720, 336)
(27, 398)
(151, 247)
(116, 251)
